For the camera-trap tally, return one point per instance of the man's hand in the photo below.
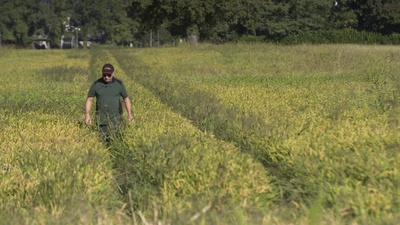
(88, 105)
(88, 122)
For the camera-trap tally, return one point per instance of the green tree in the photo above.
(250, 16)
(60, 10)
(88, 17)
(391, 15)
(210, 20)
(342, 16)
(381, 16)
(23, 20)
(104, 17)
(46, 18)
(369, 14)
(14, 29)
(290, 17)
(120, 28)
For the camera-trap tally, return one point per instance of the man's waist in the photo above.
(108, 113)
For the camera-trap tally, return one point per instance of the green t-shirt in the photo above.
(108, 98)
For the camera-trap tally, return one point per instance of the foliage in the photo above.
(12, 22)
(291, 17)
(344, 36)
(375, 16)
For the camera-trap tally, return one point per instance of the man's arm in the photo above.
(128, 107)
(88, 106)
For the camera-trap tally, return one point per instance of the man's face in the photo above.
(108, 77)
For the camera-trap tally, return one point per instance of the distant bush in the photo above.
(345, 36)
(251, 39)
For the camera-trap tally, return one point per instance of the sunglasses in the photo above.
(107, 75)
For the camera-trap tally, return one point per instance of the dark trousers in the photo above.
(111, 129)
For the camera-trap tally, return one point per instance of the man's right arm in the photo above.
(88, 106)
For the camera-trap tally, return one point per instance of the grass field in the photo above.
(224, 134)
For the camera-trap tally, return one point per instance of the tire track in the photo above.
(209, 114)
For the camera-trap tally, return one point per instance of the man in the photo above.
(108, 91)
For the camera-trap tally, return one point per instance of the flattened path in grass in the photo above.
(205, 111)
(304, 159)
(164, 158)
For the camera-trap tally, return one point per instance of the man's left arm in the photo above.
(128, 107)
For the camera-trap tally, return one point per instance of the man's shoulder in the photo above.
(118, 81)
(100, 80)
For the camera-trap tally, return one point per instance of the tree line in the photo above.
(150, 22)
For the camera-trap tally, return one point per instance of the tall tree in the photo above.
(14, 29)
(88, 17)
(250, 15)
(369, 14)
(381, 16)
(120, 28)
(309, 14)
(60, 11)
(341, 16)
(104, 17)
(208, 19)
(391, 15)
(293, 16)
(46, 17)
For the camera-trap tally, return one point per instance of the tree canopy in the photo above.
(131, 21)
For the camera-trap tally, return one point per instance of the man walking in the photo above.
(108, 92)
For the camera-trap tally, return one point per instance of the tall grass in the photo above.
(299, 119)
(227, 134)
(165, 160)
(53, 170)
